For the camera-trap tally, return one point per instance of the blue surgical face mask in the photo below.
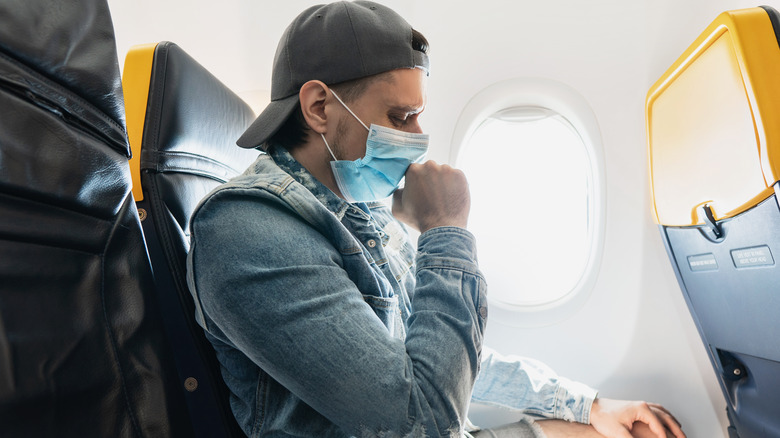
(389, 152)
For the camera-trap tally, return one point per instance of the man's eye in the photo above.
(397, 121)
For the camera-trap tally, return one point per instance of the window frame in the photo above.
(565, 101)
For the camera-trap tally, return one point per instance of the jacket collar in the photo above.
(330, 200)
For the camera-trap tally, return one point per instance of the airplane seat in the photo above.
(183, 124)
(81, 348)
(714, 154)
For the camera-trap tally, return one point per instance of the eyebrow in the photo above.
(408, 109)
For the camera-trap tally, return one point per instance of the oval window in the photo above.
(531, 181)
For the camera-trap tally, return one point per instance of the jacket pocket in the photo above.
(386, 309)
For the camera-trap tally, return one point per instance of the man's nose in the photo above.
(414, 127)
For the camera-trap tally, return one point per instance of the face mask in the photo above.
(389, 152)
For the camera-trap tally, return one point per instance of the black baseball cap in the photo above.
(333, 43)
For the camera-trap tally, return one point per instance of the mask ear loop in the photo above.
(326, 145)
(350, 111)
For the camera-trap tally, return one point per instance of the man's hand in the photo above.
(615, 418)
(435, 196)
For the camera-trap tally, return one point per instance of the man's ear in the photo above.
(312, 97)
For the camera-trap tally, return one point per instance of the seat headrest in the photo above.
(193, 119)
(73, 46)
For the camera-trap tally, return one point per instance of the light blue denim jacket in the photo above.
(328, 323)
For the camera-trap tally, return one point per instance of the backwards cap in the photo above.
(333, 43)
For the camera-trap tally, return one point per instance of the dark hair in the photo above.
(293, 131)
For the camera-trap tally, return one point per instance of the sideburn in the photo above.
(341, 135)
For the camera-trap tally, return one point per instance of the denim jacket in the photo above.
(327, 322)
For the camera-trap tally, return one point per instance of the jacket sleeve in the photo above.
(277, 290)
(532, 387)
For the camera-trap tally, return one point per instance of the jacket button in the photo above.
(191, 384)
(483, 312)
(371, 243)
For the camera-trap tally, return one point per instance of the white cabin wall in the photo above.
(634, 337)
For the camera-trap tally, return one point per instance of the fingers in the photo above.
(614, 418)
(659, 420)
(398, 206)
(669, 421)
(641, 430)
(435, 195)
(656, 406)
(646, 415)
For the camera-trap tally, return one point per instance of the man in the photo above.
(326, 321)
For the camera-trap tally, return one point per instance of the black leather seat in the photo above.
(82, 351)
(189, 122)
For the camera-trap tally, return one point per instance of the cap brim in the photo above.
(268, 122)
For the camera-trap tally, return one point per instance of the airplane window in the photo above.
(531, 149)
(530, 179)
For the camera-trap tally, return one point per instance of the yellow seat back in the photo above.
(712, 122)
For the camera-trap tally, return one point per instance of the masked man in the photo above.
(326, 320)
